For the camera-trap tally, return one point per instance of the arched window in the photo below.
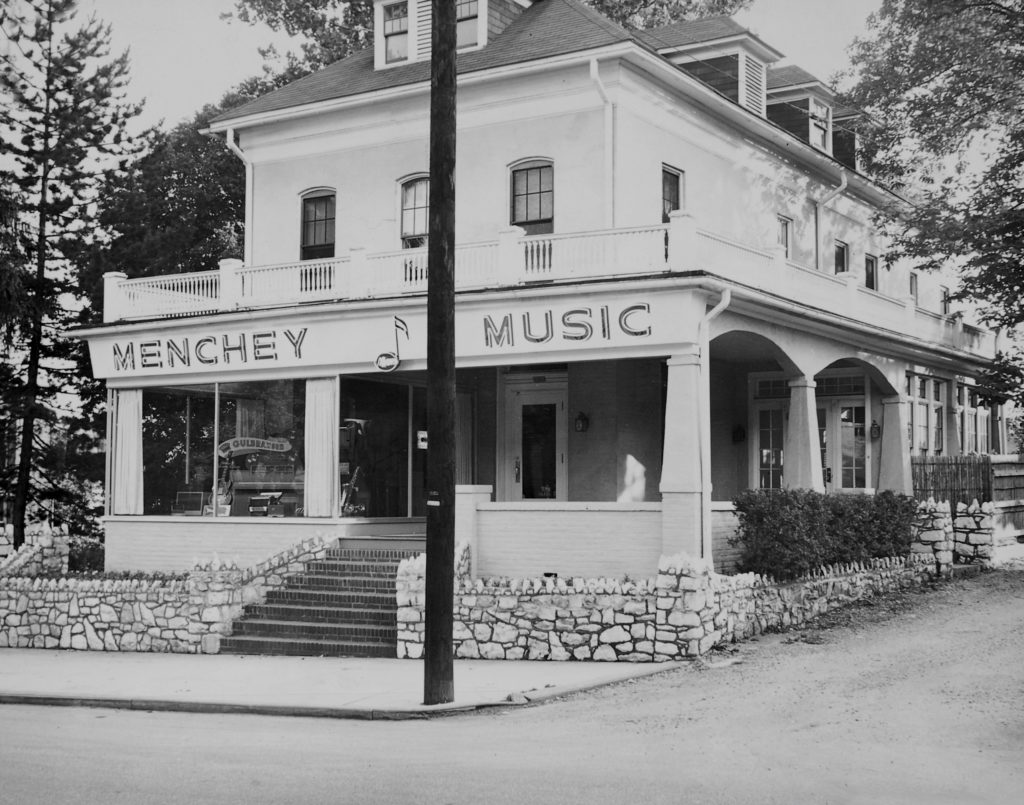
(533, 196)
(415, 212)
(317, 225)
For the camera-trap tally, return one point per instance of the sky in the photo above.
(184, 55)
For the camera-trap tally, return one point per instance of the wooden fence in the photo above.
(953, 478)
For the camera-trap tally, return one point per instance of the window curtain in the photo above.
(249, 419)
(126, 432)
(321, 442)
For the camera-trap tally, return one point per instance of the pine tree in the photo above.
(61, 125)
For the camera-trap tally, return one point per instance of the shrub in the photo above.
(85, 555)
(786, 533)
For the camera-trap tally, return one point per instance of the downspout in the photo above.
(237, 151)
(818, 204)
(703, 409)
(609, 144)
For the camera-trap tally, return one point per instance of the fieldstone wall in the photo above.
(45, 551)
(965, 537)
(181, 615)
(684, 611)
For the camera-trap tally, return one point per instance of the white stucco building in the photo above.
(669, 289)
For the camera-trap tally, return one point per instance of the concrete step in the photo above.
(309, 630)
(304, 647)
(321, 614)
(321, 597)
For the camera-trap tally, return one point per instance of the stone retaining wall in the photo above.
(684, 611)
(182, 615)
(966, 537)
(45, 551)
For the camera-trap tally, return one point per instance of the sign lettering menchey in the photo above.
(383, 341)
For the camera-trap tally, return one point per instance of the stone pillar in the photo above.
(894, 472)
(801, 468)
(681, 464)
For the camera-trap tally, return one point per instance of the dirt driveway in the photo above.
(918, 698)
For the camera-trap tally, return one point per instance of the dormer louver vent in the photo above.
(423, 29)
(754, 80)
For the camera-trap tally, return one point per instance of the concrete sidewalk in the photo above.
(298, 686)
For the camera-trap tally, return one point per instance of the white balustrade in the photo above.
(517, 259)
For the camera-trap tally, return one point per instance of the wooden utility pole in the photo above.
(438, 667)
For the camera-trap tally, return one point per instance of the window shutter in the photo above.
(423, 29)
(754, 85)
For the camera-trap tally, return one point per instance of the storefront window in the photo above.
(229, 450)
(177, 449)
(374, 449)
(260, 447)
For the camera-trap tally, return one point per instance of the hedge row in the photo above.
(786, 533)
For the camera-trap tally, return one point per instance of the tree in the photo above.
(334, 29)
(62, 122)
(942, 83)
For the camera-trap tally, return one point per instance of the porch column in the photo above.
(681, 466)
(125, 445)
(894, 473)
(801, 457)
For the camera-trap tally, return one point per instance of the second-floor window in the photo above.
(913, 287)
(466, 13)
(396, 32)
(785, 234)
(842, 257)
(317, 227)
(415, 212)
(533, 197)
(945, 300)
(671, 192)
(820, 124)
(871, 272)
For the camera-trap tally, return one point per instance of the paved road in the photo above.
(917, 701)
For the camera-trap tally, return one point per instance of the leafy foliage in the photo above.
(61, 125)
(334, 29)
(943, 84)
(786, 533)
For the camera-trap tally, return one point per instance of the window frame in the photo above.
(390, 36)
(914, 288)
(327, 249)
(413, 239)
(459, 27)
(945, 300)
(871, 272)
(842, 264)
(785, 234)
(680, 188)
(532, 226)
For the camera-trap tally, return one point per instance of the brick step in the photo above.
(338, 583)
(370, 554)
(309, 630)
(321, 614)
(304, 647)
(354, 568)
(319, 597)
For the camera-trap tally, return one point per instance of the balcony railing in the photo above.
(515, 259)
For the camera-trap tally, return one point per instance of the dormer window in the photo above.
(467, 27)
(821, 125)
(396, 32)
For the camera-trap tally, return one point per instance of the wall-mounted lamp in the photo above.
(876, 429)
(582, 423)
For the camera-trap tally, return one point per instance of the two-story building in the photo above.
(669, 289)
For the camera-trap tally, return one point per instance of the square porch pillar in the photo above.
(681, 512)
(894, 472)
(801, 457)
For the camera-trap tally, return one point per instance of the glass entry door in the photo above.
(535, 442)
(842, 434)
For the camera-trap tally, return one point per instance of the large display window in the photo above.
(227, 449)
